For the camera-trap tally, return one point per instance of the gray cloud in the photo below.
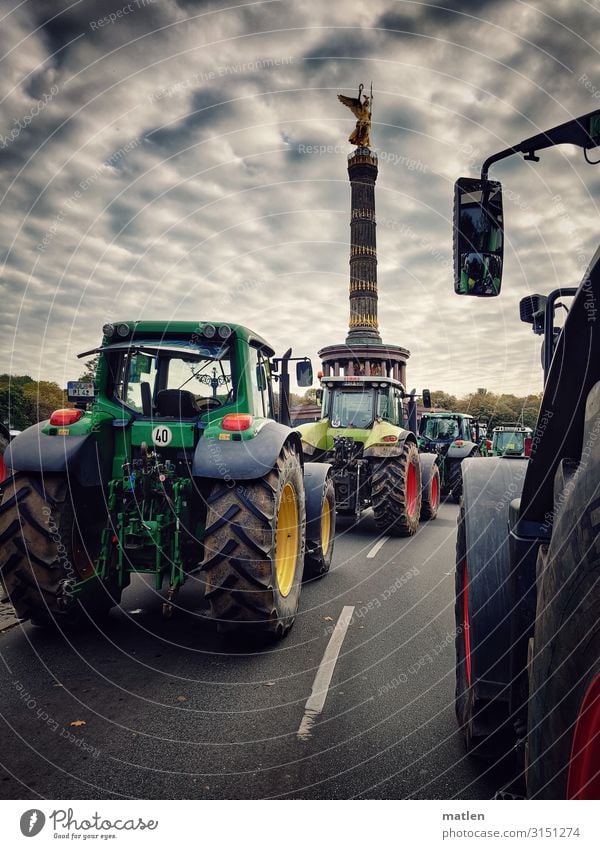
(167, 175)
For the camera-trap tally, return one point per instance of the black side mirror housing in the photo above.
(427, 399)
(478, 237)
(304, 373)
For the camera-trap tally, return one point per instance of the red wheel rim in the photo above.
(411, 490)
(2, 469)
(466, 623)
(435, 492)
(584, 764)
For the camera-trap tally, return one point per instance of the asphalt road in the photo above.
(168, 709)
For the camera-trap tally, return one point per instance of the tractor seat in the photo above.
(177, 404)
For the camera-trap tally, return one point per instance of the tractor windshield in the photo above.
(509, 442)
(440, 429)
(352, 408)
(194, 378)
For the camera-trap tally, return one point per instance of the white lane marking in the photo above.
(320, 687)
(378, 545)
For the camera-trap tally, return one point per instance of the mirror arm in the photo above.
(496, 158)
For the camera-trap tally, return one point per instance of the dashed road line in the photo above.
(320, 688)
(377, 547)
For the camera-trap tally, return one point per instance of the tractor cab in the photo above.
(511, 441)
(438, 431)
(358, 402)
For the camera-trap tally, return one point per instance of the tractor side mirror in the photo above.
(478, 237)
(532, 310)
(261, 378)
(319, 396)
(427, 399)
(304, 373)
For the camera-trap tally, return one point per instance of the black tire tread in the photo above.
(388, 493)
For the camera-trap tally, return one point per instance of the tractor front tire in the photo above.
(43, 553)
(319, 552)
(396, 492)
(430, 496)
(563, 740)
(254, 550)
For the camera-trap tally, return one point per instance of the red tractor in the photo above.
(528, 546)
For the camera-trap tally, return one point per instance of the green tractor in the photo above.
(452, 437)
(170, 464)
(511, 439)
(375, 459)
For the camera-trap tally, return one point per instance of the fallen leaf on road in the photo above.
(182, 698)
(329, 618)
(78, 722)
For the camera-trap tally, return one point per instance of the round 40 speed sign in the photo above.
(162, 435)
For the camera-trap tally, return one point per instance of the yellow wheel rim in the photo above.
(286, 539)
(325, 525)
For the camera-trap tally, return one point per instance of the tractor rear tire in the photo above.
(4, 440)
(42, 554)
(563, 740)
(319, 552)
(455, 483)
(254, 550)
(430, 496)
(455, 478)
(396, 492)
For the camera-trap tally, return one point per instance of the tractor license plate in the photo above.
(80, 391)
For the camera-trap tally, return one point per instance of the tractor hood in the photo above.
(381, 440)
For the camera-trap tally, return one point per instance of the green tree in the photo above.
(45, 397)
(16, 409)
(90, 369)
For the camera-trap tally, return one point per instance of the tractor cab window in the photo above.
(510, 442)
(441, 429)
(385, 406)
(352, 409)
(260, 383)
(186, 379)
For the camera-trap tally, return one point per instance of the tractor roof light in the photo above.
(65, 417)
(108, 330)
(225, 331)
(237, 421)
(209, 331)
(122, 330)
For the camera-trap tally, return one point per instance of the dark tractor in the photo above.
(528, 552)
(453, 437)
(171, 464)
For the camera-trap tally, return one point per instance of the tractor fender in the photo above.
(232, 460)
(77, 455)
(427, 462)
(315, 478)
(489, 486)
(390, 449)
(459, 452)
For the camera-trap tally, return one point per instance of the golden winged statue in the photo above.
(361, 106)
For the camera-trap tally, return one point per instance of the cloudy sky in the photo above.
(155, 163)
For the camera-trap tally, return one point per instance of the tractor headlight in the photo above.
(108, 330)
(122, 330)
(209, 331)
(225, 331)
